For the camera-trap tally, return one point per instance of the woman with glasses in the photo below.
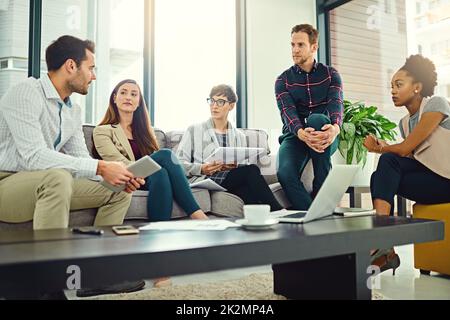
(201, 140)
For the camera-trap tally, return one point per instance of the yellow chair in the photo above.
(433, 256)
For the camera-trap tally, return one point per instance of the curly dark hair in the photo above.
(423, 71)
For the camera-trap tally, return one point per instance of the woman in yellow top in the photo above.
(419, 167)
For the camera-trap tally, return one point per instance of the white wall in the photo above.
(269, 25)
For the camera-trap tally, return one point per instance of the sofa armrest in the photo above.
(268, 166)
(271, 178)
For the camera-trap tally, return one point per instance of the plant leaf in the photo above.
(358, 122)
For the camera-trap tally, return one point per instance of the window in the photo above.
(117, 28)
(388, 6)
(13, 42)
(368, 46)
(195, 49)
(434, 50)
(4, 64)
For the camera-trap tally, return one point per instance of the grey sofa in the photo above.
(221, 204)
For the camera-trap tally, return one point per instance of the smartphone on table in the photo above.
(125, 230)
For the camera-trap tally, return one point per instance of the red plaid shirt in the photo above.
(300, 94)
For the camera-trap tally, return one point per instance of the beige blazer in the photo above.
(112, 144)
(434, 152)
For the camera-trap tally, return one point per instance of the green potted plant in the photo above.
(359, 121)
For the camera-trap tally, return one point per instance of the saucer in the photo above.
(264, 225)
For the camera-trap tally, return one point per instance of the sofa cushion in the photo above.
(279, 194)
(161, 138)
(224, 204)
(78, 218)
(257, 138)
(307, 180)
(173, 139)
(88, 132)
(138, 206)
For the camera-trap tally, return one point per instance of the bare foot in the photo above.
(199, 215)
(162, 282)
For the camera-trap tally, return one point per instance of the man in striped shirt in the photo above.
(44, 161)
(309, 96)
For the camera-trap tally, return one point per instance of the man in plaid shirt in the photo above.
(309, 96)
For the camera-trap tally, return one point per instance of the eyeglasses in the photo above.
(219, 102)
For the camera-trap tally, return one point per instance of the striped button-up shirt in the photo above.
(39, 131)
(300, 94)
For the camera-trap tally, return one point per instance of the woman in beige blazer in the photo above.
(419, 167)
(125, 135)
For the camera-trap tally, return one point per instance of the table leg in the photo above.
(355, 198)
(401, 207)
(339, 277)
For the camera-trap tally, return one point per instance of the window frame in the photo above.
(323, 7)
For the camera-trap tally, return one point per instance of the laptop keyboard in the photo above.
(296, 215)
(283, 213)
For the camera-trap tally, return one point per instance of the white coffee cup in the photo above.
(256, 214)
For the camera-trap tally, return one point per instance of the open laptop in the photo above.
(327, 199)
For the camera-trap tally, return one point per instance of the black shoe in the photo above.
(124, 287)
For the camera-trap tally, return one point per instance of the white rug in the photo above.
(257, 286)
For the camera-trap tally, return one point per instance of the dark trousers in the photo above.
(293, 157)
(408, 178)
(166, 185)
(248, 184)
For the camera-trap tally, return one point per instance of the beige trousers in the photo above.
(46, 197)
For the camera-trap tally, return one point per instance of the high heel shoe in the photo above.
(386, 260)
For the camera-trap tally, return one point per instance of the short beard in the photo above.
(303, 61)
(72, 87)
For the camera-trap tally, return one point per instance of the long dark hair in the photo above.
(142, 130)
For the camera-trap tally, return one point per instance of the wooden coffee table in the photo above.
(321, 259)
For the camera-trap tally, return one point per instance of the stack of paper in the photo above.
(354, 212)
(207, 184)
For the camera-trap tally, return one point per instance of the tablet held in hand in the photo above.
(142, 168)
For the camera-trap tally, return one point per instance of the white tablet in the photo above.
(230, 155)
(142, 168)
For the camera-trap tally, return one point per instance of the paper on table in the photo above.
(216, 224)
(207, 184)
(354, 212)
